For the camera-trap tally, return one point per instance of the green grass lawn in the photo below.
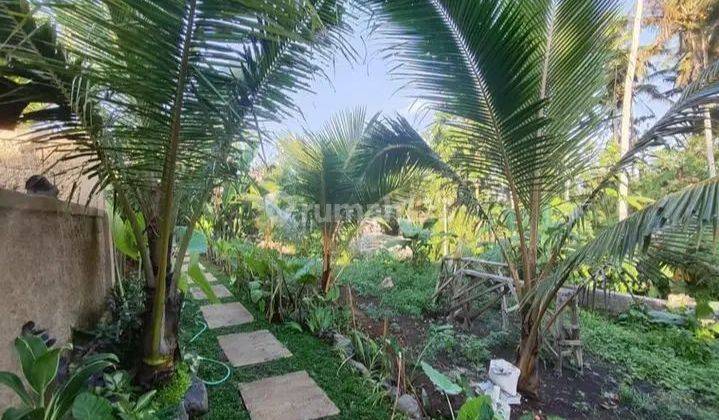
(683, 369)
(353, 395)
(413, 284)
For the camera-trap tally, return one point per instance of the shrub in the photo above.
(468, 348)
(121, 325)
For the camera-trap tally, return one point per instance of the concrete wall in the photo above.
(615, 303)
(55, 268)
(19, 160)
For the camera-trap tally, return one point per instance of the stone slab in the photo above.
(294, 396)
(210, 277)
(244, 349)
(226, 314)
(219, 289)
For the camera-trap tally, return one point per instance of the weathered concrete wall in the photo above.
(55, 268)
(19, 160)
(614, 302)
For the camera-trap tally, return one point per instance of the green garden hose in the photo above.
(216, 362)
(203, 324)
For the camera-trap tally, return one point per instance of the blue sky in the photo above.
(368, 83)
(365, 83)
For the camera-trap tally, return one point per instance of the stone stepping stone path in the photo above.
(210, 278)
(219, 289)
(251, 348)
(294, 396)
(226, 314)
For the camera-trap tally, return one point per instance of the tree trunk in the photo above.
(624, 137)
(708, 136)
(148, 375)
(527, 356)
(326, 280)
(709, 143)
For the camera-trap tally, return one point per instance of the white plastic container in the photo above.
(505, 375)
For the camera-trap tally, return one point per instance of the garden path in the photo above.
(291, 396)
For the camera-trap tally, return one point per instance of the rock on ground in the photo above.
(408, 405)
(195, 402)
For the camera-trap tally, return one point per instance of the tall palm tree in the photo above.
(323, 169)
(159, 94)
(524, 80)
(688, 32)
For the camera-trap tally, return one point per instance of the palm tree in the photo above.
(688, 32)
(159, 94)
(323, 169)
(524, 81)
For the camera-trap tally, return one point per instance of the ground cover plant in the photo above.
(413, 285)
(683, 367)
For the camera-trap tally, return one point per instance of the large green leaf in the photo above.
(477, 408)
(43, 371)
(199, 279)
(440, 380)
(15, 383)
(91, 407)
(29, 348)
(307, 273)
(123, 237)
(64, 397)
(521, 81)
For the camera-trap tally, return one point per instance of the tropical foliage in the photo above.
(326, 170)
(157, 100)
(46, 398)
(524, 81)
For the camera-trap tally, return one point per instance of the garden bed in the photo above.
(618, 379)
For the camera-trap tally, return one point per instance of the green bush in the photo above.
(44, 397)
(121, 326)
(667, 357)
(472, 350)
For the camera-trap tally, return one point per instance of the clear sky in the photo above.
(365, 83)
(368, 83)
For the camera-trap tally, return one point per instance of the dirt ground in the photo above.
(592, 394)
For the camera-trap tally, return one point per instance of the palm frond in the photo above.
(676, 217)
(522, 78)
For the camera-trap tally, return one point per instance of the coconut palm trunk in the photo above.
(709, 144)
(708, 134)
(326, 278)
(628, 95)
